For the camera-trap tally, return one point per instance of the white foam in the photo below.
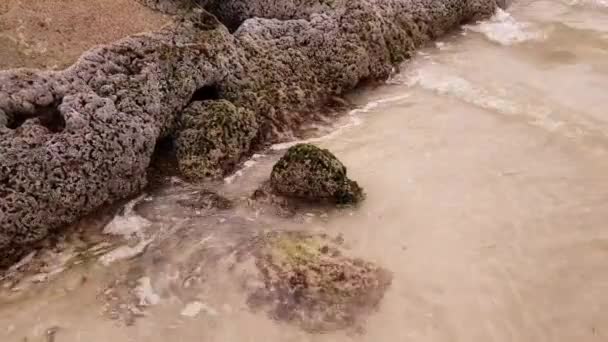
(24, 261)
(592, 3)
(194, 309)
(128, 224)
(353, 120)
(246, 165)
(145, 292)
(124, 252)
(437, 79)
(442, 46)
(504, 29)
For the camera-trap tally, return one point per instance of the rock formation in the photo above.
(309, 281)
(310, 173)
(73, 140)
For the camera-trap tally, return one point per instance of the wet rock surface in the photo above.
(74, 140)
(314, 174)
(206, 200)
(310, 282)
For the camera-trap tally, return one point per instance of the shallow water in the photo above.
(485, 166)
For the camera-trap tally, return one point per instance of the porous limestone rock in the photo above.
(83, 137)
(212, 138)
(311, 173)
(73, 140)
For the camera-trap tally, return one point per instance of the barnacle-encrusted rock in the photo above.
(212, 138)
(73, 140)
(311, 173)
(310, 282)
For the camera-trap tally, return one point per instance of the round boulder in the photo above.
(314, 174)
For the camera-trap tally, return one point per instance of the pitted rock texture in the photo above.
(76, 139)
(213, 137)
(83, 137)
(310, 173)
(309, 281)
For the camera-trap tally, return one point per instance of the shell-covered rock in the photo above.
(309, 281)
(212, 138)
(311, 173)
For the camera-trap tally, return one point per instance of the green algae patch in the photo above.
(311, 173)
(309, 281)
(213, 137)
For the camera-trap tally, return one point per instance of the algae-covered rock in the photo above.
(311, 173)
(310, 282)
(74, 140)
(213, 137)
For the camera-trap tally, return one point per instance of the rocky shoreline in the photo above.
(74, 140)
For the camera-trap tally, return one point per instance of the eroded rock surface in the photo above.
(81, 138)
(212, 138)
(74, 140)
(314, 174)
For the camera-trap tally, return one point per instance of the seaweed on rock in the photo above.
(73, 140)
(311, 173)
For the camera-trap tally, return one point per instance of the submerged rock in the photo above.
(206, 200)
(311, 173)
(212, 138)
(310, 282)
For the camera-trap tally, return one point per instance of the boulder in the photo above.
(314, 174)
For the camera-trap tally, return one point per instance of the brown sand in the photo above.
(51, 34)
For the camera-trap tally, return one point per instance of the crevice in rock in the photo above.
(208, 92)
(48, 116)
(163, 163)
